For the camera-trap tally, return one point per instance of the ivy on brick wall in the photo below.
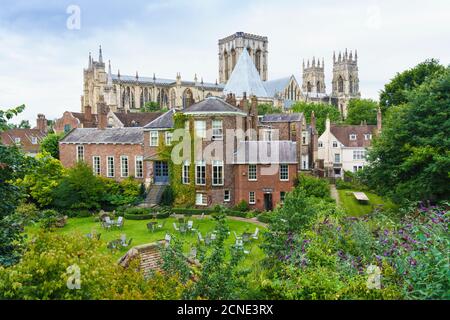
(184, 193)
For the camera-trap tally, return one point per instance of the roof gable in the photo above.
(343, 132)
(213, 105)
(164, 121)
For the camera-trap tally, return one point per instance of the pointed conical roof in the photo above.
(245, 78)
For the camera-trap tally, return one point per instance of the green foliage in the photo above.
(396, 92)
(42, 274)
(314, 187)
(49, 219)
(267, 108)
(28, 212)
(151, 106)
(321, 112)
(79, 189)
(362, 110)
(42, 178)
(242, 206)
(265, 217)
(411, 158)
(174, 261)
(6, 115)
(50, 144)
(168, 197)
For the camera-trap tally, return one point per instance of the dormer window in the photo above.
(335, 144)
(17, 140)
(34, 140)
(367, 136)
(353, 137)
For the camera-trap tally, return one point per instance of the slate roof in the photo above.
(8, 138)
(276, 86)
(82, 118)
(137, 119)
(105, 136)
(164, 121)
(281, 117)
(213, 105)
(266, 152)
(165, 82)
(343, 132)
(245, 78)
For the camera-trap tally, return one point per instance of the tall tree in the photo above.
(321, 111)
(266, 108)
(50, 144)
(396, 91)
(411, 158)
(360, 110)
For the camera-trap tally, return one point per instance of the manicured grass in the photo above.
(138, 231)
(355, 208)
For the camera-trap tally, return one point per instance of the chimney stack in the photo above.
(41, 123)
(88, 113)
(379, 120)
(102, 109)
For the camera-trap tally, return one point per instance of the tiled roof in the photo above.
(281, 117)
(276, 86)
(245, 78)
(139, 119)
(25, 135)
(266, 152)
(105, 136)
(164, 121)
(343, 132)
(82, 118)
(213, 105)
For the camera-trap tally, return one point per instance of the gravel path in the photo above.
(334, 193)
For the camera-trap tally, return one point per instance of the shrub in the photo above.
(192, 211)
(49, 219)
(242, 206)
(168, 196)
(234, 213)
(138, 213)
(315, 187)
(265, 217)
(341, 184)
(28, 212)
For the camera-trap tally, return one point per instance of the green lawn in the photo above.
(138, 231)
(355, 209)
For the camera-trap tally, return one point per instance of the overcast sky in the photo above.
(43, 52)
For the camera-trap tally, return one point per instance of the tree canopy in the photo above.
(396, 91)
(411, 158)
(50, 144)
(266, 108)
(360, 110)
(321, 112)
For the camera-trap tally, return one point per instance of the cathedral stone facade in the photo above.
(125, 93)
(231, 47)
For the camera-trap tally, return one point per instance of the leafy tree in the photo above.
(321, 112)
(360, 110)
(411, 158)
(43, 273)
(314, 187)
(79, 189)
(151, 106)
(42, 178)
(395, 92)
(50, 144)
(267, 108)
(13, 164)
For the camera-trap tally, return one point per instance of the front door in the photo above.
(268, 205)
(161, 171)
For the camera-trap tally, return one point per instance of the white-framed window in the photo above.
(80, 153)
(96, 165)
(201, 199)
(367, 136)
(217, 173)
(320, 144)
(200, 173)
(124, 169)
(353, 137)
(251, 197)
(282, 196)
(357, 168)
(337, 158)
(110, 167)
(252, 172)
(305, 137)
(139, 167)
(335, 144)
(359, 154)
(305, 162)
(154, 138)
(185, 172)
(200, 129)
(168, 138)
(284, 172)
(268, 135)
(226, 196)
(217, 130)
(34, 140)
(17, 140)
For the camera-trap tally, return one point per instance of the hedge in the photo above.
(192, 211)
(265, 217)
(129, 216)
